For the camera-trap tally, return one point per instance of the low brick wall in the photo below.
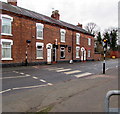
(97, 56)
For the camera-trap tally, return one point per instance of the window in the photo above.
(63, 32)
(6, 25)
(77, 38)
(39, 50)
(39, 30)
(89, 41)
(89, 53)
(62, 53)
(77, 52)
(6, 49)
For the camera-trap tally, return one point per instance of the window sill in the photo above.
(6, 59)
(39, 58)
(6, 34)
(63, 41)
(39, 38)
(77, 57)
(77, 44)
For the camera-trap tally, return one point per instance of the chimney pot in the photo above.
(79, 25)
(55, 14)
(12, 2)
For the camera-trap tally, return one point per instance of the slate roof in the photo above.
(32, 14)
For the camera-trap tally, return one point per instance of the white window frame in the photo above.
(11, 43)
(40, 44)
(77, 38)
(77, 52)
(62, 32)
(89, 41)
(11, 19)
(89, 53)
(39, 24)
(63, 51)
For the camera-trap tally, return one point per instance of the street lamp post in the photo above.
(105, 49)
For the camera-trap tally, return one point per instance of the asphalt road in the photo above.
(15, 79)
(78, 87)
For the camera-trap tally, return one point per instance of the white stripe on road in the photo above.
(49, 84)
(5, 91)
(30, 87)
(54, 69)
(82, 75)
(27, 75)
(72, 72)
(63, 70)
(22, 73)
(14, 77)
(35, 77)
(106, 69)
(15, 71)
(42, 80)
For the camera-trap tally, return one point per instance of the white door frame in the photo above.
(83, 54)
(49, 53)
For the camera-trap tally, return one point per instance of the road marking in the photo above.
(22, 73)
(54, 69)
(82, 75)
(106, 69)
(35, 77)
(49, 84)
(14, 77)
(63, 70)
(42, 80)
(27, 75)
(5, 91)
(30, 87)
(72, 72)
(15, 71)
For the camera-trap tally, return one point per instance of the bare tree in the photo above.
(92, 28)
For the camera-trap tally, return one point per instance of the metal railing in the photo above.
(107, 101)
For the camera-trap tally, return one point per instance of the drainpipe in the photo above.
(71, 61)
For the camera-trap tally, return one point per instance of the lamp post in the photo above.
(105, 49)
(28, 43)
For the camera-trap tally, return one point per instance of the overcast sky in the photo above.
(102, 12)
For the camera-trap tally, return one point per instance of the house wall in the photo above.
(24, 28)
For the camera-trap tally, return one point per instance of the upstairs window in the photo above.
(6, 49)
(6, 25)
(89, 41)
(39, 50)
(63, 32)
(78, 38)
(39, 31)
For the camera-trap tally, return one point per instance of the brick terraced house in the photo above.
(31, 38)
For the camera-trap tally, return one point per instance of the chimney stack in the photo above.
(55, 15)
(79, 25)
(12, 2)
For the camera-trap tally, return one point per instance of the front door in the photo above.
(54, 54)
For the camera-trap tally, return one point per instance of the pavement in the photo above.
(78, 95)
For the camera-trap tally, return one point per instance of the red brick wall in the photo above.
(97, 57)
(25, 29)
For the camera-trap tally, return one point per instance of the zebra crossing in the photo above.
(69, 71)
